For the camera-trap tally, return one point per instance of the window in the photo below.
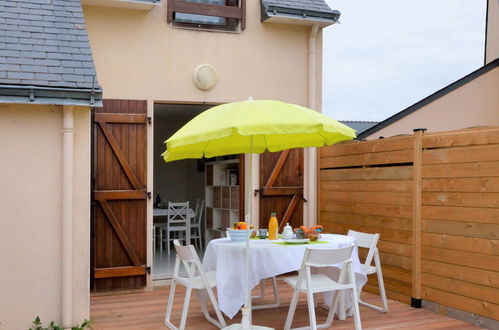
(207, 14)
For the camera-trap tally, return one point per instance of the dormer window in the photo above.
(227, 15)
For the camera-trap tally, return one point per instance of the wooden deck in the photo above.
(146, 311)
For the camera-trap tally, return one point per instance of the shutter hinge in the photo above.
(149, 195)
(149, 120)
(148, 269)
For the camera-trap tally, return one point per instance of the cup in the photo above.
(263, 233)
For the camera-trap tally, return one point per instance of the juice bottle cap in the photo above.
(273, 214)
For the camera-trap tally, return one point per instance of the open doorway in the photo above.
(178, 182)
(210, 186)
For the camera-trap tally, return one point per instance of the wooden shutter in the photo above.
(281, 187)
(119, 197)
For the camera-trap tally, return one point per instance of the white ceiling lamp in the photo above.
(205, 77)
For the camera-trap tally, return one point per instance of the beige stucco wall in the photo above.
(473, 104)
(30, 215)
(492, 50)
(138, 55)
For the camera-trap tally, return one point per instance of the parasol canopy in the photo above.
(254, 126)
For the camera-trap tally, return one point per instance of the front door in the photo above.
(119, 197)
(281, 187)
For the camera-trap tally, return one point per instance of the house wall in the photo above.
(30, 216)
(492, 48)
(473, 104)
(138, 55)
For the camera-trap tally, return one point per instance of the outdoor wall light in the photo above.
(205, 77)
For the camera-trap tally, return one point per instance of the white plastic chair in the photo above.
(277, 299)
(196, 224)
(178, 221)
(310, 284)
(196, 279)
(369, 241)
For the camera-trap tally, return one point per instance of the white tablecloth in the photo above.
(266, 260)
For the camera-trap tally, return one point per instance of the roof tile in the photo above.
(45, 43)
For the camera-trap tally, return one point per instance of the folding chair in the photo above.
(369, 241)
(196, 234)
(196, 279)
(310, 284)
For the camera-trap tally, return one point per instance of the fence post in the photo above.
(416, 221)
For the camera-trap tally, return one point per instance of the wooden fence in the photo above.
(434, 198)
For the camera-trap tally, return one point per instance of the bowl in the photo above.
(239, 235)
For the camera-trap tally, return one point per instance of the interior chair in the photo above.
(196, 235)
(369, 241)
(196, 279)
(178, 222)
(277, 299)
(154, 239)
(317, 283)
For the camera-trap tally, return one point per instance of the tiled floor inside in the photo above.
(163, 263)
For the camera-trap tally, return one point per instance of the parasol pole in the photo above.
(246, 321)
(247, 314)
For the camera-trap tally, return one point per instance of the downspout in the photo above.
(310, 187)
(67, 217)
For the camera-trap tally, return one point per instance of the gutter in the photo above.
(26, 94)
(273, 10)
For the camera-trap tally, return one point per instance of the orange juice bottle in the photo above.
(273, 225)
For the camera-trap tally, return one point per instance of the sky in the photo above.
(386, 55)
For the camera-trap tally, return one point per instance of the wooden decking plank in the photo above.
(146, 311)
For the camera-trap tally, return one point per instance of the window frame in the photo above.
(227, 12)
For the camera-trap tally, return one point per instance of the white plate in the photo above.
(297, 240)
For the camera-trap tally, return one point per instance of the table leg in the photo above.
(341, 307)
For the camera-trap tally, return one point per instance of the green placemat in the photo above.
(309, 242)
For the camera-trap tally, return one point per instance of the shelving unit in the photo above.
(222, 196)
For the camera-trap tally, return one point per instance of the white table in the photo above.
(161, 224)
(163, 212)
(266, 260)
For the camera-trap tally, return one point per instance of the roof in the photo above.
(358, 125)
(422, 103)
(299, 8)
(44, 46)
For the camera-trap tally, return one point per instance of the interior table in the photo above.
(163, 212)
(267, 259)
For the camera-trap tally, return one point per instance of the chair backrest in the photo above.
(190, 259)
(326, 257)
(317, 257)
(178, 212)
(198, 215)
(365, 240)
(185, 253)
